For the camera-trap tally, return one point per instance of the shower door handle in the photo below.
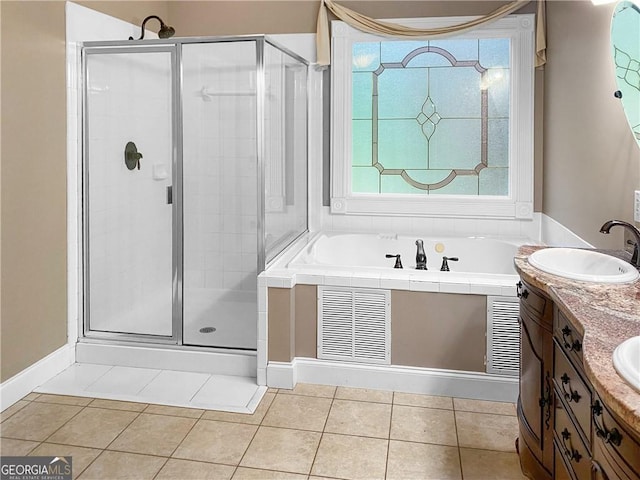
(170, 194)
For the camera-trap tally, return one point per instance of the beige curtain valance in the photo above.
(367, 24)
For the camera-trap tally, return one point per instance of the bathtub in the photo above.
(404, 310)
(484, 264)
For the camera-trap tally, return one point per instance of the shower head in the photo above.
(165, 30)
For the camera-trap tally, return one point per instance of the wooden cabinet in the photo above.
(535, 441)
(566, 431)
(572, 401)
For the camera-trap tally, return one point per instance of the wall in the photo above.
(582, 153)
(591, 161)
(33, 216)
(33, 183)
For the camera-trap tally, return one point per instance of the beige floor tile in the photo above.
(82, 456)
(482, 406)
(487, 431)
(310, 390)
(282, 450)
(189, 470)
(364, 395)
(123, 466)
(359, 418)
(93, 427)
(254, 419)
(10, 447)
(174, 411)
(64, 399)
(428, 401)
(30, 397)
(37, 421)
(118, 405)
(422, 461)
(243, 473)
(350, 457)
(300, 412)
(216, 442)
(425, 425)
(7, 412)
(483, 464)
(153, 435)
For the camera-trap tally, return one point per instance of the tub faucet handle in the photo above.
(445, 265)
(397, 257)
(421, 257)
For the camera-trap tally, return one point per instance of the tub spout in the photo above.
(635, 259)
(421, 257)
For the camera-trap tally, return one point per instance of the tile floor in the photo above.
(166, 387)
(311, 432)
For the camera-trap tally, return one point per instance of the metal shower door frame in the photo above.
(174, 46)
(97, 48)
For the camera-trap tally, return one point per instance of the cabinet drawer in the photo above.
(560, 469)
(569, 339)
(534, 301)
(614, 439)
(604, 467)
(570, 446)
(573, 391)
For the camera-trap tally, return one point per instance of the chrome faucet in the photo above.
(421, 257)
(635, 259)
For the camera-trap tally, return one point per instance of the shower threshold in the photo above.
(142, 386)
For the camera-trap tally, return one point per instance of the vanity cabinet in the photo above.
(566, 431)
(572, 401)
(535, 441)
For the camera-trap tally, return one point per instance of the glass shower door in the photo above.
(128, 178)
(220, 194)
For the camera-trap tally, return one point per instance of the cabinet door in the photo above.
(535, 378)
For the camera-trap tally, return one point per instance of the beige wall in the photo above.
(33, 183)
(234, 17)
(591, 161)
(33, 186)
(292, 323)
(438, 330)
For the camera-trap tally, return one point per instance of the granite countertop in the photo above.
(607, 315)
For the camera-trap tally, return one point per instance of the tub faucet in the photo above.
(421, 258)
(397, 257)
(445, 264)
(635, 259)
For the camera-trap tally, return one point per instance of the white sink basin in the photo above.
(626, 360)
(584, 265)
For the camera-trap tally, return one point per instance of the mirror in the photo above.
(625, 48)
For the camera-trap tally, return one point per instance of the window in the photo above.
(439, 127)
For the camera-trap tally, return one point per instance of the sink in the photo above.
(626, 360)
(584, 265)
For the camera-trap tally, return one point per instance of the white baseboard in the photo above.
(429, 381)
(203, 361)
(31, 377)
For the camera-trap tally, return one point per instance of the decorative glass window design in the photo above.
(412, 104)
(440, 127)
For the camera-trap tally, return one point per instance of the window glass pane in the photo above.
(437, 115)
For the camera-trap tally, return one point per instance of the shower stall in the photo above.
(194, 178)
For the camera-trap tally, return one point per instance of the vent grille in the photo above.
(354, 325)
(503, 336)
